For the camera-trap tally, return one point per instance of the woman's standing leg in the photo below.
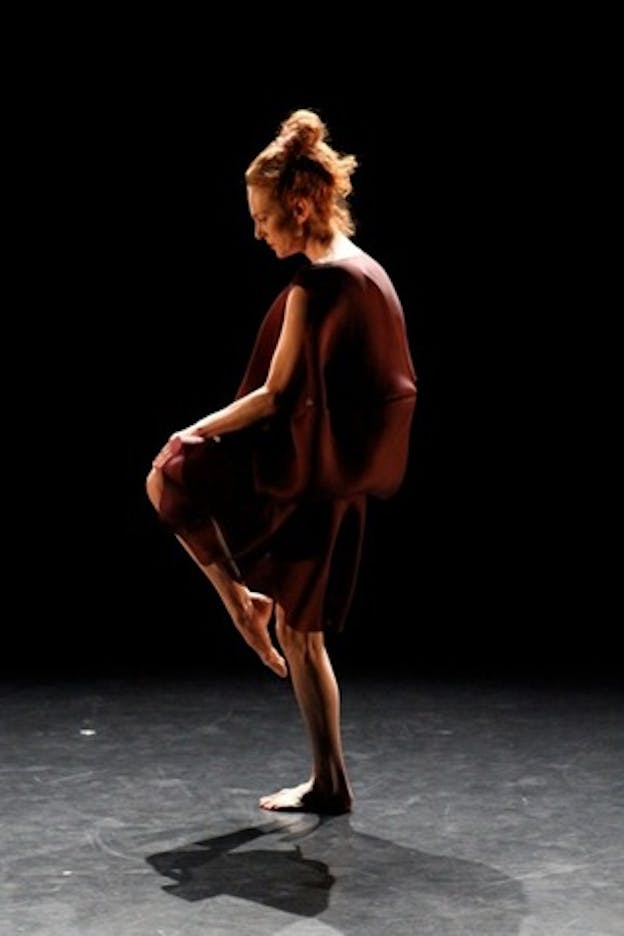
(318, 697)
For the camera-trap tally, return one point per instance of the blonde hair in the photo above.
(299, 162)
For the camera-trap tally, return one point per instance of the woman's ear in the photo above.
(301, 209)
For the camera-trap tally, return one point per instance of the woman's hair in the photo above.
(300, 163)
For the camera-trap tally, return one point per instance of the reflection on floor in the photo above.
(130, 809)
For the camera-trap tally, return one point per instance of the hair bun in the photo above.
(301, 132)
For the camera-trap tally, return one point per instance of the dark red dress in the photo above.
(283, 502)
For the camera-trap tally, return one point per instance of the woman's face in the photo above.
(271, 223)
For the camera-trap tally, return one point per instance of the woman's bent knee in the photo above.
(154, 486)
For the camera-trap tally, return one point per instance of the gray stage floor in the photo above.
(129, 809)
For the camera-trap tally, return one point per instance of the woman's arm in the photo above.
(262, 402)
(259, 403)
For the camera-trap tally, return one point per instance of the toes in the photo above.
(271, 658)
(275, 662)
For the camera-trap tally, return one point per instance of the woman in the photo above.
(268, 495)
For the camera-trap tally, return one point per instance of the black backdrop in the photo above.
(148, 288)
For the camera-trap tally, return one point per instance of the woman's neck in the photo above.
(339, 248)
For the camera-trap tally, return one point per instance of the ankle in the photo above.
(331, 783)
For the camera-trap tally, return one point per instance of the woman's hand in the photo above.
(174, 445)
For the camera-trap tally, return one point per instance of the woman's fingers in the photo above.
(163, 456)
(174, 447)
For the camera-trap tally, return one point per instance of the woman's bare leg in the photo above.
(318, 697)
(251, 612)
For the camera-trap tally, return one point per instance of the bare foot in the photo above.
(304, 798)
(253, 623)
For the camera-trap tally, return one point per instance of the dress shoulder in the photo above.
(354, 274)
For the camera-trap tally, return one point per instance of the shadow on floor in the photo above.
(375, 885)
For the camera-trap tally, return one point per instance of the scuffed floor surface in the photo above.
(130, 809)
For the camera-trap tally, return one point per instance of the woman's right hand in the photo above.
(174, 445)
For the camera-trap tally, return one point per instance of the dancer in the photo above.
(268, 495)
